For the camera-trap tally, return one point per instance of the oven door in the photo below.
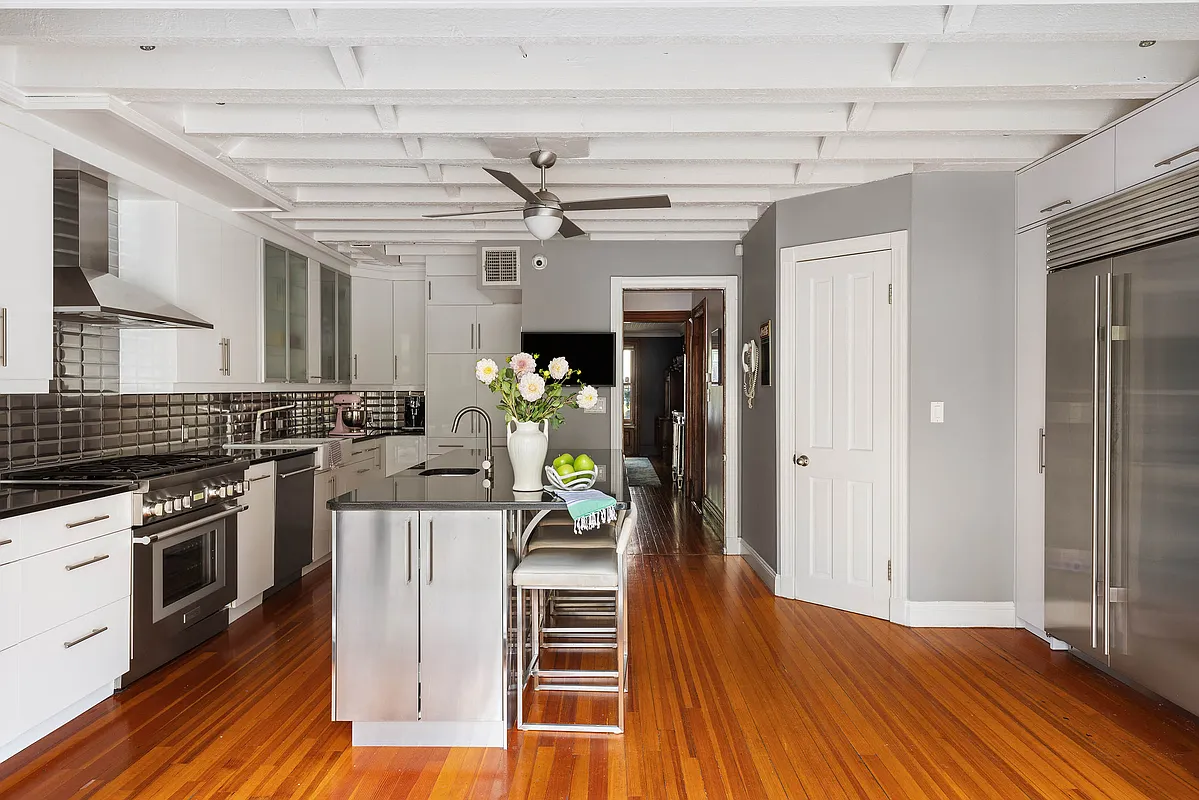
(188, 566)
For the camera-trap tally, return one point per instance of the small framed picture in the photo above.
(764, 336)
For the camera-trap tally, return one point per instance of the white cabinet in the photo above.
(373, 334)
(240, 288)
(1159, 138)
(10, 607)
(452, 386)
(403, 452)
(324, 490)
(256, 535)
(27, 269)
(497, 329)
(408, 333)
(198, 290)
(455, 290)
(458, 336)
(9, 694)
(1030, 420)
(66, 583)
(474, 329)
(1073, 177)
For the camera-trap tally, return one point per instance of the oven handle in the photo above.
(158, 537)
(293, 473)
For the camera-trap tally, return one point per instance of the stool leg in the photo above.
(621, 624)
(520, 658)
(535, 659)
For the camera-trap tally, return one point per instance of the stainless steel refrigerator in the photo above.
(1122, 463)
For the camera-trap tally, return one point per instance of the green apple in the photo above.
(565, 469)
(565, 458)
(583, 462)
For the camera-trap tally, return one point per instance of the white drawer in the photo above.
(9, 692)
(365, 452)
(10, 607)
(1085, 172)
(1158, 139)
(9, 537)
(72, 581)
(58, 527)
(65, 664)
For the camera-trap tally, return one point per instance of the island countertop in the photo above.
(478, 491)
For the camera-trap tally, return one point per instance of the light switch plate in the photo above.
(601, 472)
(601, 406)
(936, 412)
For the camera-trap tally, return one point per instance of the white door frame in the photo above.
(787, 336)
(732, 379)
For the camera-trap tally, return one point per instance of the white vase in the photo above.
(528, 442)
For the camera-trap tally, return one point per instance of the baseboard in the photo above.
(732, 546)
(9, 749)
(320, 562)
(955, 614)
(237, 612)
(759, 565)
(429, 734)
(1053, 642)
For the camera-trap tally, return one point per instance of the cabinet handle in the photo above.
(84, 638)
(100, 518)
(430, 290)
(429, 578)
(1041, 452)
(259, 478)
(300, 471)
(5, 541)
(472, 336)
(364, 469)
(1174, 158)
(480, 335)
(1047, 209)
(95, 560)
(3, 337)
(409, 551)
(355, 366)
(395, 369)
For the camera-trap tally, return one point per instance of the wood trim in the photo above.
(656, 316)
(696, 403)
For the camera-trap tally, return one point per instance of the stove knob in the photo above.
(213, 492)
(158, 510)
(241, 487)
(223, 491)
(177, 504)
(187, 501)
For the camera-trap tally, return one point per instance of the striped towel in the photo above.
(589, 508)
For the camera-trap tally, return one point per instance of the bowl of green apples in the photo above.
(572, 473)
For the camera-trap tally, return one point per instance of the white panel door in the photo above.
(451, 387)
(451, 329)
(497, 329)
(256, 535)
(199, 292)
(371, 318)
(408, 333)
(842, 423)
(241, 302)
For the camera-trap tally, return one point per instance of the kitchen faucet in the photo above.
(258, 415)
(486, 426)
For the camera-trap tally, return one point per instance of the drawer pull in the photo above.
(96, 560)
(84, 638)
(259, 478)
(364, 469)
(1174, 158)
(100, 518)
(5, 541)
(1047, 209)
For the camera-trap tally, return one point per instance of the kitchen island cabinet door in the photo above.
(9, 692)
(375, 608)
(256, 535)
(462, 615)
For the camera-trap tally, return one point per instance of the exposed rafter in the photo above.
(434, 172)
(304, 19)
(388, 119)
(348, 68)
(908, 61)
(412, 147)
(859, 116)
(958, 18)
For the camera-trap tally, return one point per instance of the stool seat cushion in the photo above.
(562, 536)
(568, 568)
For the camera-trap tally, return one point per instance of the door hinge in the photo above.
(890, 292)
(888, 569)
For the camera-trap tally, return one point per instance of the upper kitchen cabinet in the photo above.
(285, 315)
(27, 270)
(408, 333)
(336, 337)
(474, 329)
(373, 334)
(1159, 138)
(1073, 177)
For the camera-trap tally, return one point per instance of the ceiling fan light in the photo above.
(543, 223)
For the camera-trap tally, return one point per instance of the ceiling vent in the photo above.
(501, 266)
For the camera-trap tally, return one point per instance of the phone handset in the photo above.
(750, 362)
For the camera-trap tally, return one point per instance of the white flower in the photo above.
(532, 386)
(486, 370)
(522, 364)
(587, 397)
(559, 368)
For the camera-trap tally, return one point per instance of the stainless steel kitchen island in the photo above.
(423, 605)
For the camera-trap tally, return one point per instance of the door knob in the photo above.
(800, 461)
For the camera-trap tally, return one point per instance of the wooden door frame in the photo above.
(695, 403)
(787, 334)
(635, 346)
(730, 285)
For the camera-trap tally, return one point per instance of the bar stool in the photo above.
(592, 569)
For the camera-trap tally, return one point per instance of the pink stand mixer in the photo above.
(351, 415)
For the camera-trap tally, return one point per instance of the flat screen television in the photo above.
(593, 353)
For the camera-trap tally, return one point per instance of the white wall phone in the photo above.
(750, 363)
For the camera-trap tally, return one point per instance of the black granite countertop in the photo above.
(25, 498)
(480, 491)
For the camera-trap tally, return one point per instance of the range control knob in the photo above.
(158, 510)
(177, 503)
(187, 501)
(223, 491)
(147, 511)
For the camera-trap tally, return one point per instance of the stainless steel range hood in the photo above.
(84, 289)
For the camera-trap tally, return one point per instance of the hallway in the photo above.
(735, 694)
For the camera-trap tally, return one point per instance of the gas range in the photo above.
(167, 484)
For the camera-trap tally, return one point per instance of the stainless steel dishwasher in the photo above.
(294, 489)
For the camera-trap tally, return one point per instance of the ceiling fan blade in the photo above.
(513, 183)
(473, 213)
(569, 230)
(644, 201)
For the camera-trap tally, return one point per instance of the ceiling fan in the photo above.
(543, 210)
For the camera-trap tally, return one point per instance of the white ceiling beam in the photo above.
(829, 146)
(958, 18)
(487, 235)
(495, 196)
(435, 173)
(804, 172)
(911, 55)
(345, 217)
(303, 19)
(859, 116)
(412, 146)
(348, 68)
(404, 229)
(388, 119)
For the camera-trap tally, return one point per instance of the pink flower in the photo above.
(522, 363)
(532, 386)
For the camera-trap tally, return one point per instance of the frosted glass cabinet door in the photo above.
(274, 278)
(328, 326)
(345, 327)
(297, 325)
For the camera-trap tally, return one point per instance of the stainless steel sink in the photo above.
(444, 471)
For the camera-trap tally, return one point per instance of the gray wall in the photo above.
(962, 353)
(962, 472)
(574, 293)
(655, 354)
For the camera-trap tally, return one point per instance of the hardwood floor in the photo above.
(735, 694)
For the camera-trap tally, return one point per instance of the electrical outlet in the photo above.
(601, 472)
(601, 406)
(936, 412)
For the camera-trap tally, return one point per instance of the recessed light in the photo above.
(147, 47)
(1147, 43)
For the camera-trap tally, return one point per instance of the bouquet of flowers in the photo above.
(529, 395)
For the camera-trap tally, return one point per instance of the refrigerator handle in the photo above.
(1041, 450)
(1107, 490)
(1095, 433)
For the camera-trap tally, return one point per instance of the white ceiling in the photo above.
(360, 121)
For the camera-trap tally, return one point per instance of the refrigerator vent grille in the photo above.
(1149, 214)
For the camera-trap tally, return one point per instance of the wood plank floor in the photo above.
(735, 694)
